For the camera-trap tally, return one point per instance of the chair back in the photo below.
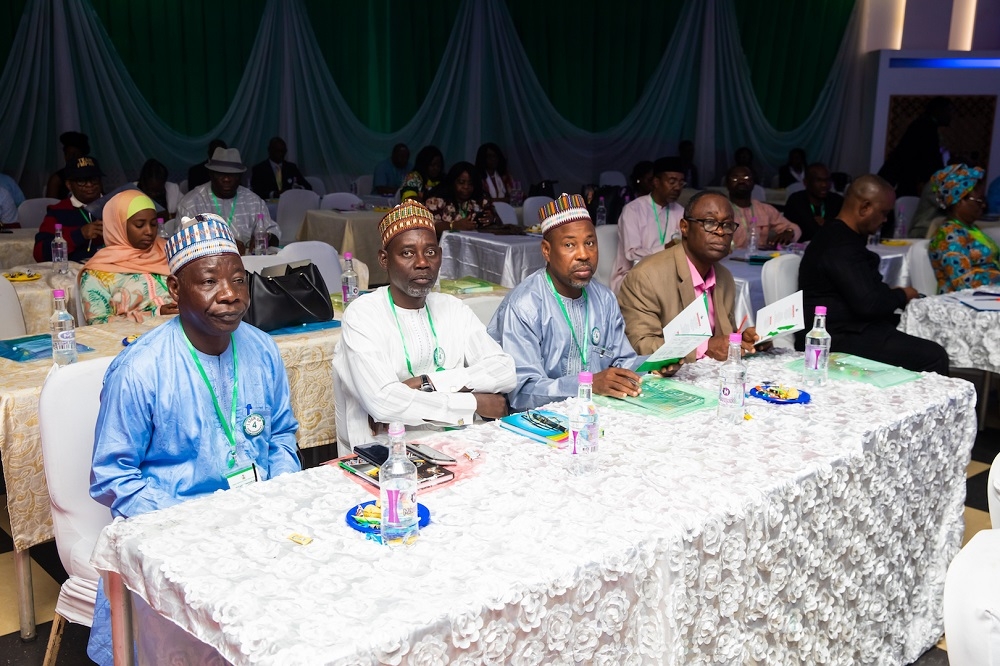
(615, 178)
(363, 184)
(319, 187)
(183, 186)
(11, 318)
(341, 201)
(67, 417)
(505, 212)
(256, 263)
(993, 493)
(686, 195)
(780, 277)
(484, 307)
(529, 209)
(905, 208)
(607, 252)
(292, 207)
(323, 255)
(31, 212)
(794, 187)
(921, 271)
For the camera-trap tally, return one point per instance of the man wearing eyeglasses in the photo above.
(772, 227)
(661, 286)
(650, 223)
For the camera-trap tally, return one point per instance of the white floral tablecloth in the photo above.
(17, 247)
(971, 338)
(815, 533)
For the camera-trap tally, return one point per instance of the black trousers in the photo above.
(887, 344)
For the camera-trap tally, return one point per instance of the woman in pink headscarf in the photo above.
(127, 279)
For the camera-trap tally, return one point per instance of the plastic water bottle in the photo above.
(900, 230)
(583, 425)
(397, 481)
(602, 212)
(753, 243)
(817, 351)
(63, 331)
(260, 236)
(60, 253)
(349, 280)
(161, 228)
(732, 382)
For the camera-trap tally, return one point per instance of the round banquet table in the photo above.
(16, 248)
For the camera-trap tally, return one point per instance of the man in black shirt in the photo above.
(814, 206)
(839, 271)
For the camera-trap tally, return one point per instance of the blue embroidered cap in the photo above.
(200, 236)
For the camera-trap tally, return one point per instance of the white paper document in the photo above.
(682, 335)
(781, 317)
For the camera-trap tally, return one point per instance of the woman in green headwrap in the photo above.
(962, 255)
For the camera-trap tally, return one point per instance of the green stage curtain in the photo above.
(594, 58)
(186, 56)
(383, 54)
(10, 16)
(790, 46)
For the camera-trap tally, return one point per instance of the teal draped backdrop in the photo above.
(569, 88)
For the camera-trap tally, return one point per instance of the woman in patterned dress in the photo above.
(459, 203)
(962, 255)
(127, 279)
(426, 174)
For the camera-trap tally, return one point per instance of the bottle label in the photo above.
(67, 336)
(343, 289)
(814, 357)
(401, 507)
(730, 395)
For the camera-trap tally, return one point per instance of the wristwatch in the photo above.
(425, 384)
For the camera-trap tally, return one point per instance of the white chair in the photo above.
(794, 187)
(922, 276)
(484, 307)
(317, 184)
(31, 212)
(11, 318)
(780, 277)
(341, 201)
(183, 185)
(363, 184)
(361, 268)
(67, 417)
(323, 255)
(616, 178)
(530, 209)
(256, 263)
(906, 207)
(607, 252)
(972, 602)
(993, 492)
(686, 195)
(292, 207)
(505, 212)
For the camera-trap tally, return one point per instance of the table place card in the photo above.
(681, 336)
(982, 301)
(781, 317)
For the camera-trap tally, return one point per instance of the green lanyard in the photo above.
(218, 207)
(438, 351)
(228, 427)
(663, 230)
(584, 353)
(822, 209)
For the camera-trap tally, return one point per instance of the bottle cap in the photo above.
(348, 256)
(58, 293)
(821, 309)
(735, 338)
(396, 429)
(586, 377)
(58, 227)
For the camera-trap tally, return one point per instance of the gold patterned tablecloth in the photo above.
(36, 296)
(17, 247)
(308, 360)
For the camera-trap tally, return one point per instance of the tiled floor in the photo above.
(48, 572)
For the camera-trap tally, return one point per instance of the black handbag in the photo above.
(300, 296)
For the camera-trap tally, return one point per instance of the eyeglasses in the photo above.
(711, 226)
(543, 422)
(736, 179)
(976, 200)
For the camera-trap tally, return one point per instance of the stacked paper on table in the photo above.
(667, 398)
(983, 301)
(681, 336)
(466, 285)
(857, 369)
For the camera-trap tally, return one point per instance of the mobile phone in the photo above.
(374, 453)
(431, 455)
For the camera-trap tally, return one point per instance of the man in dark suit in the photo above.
(274, 175)
(816, 205)
(839, 272)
